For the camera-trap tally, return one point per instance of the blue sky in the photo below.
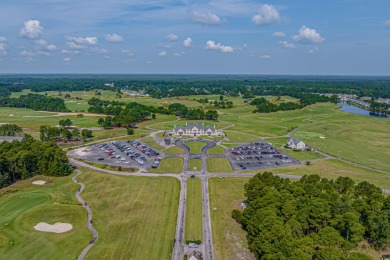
(345, 37)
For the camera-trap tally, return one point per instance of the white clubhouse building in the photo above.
(194, 129)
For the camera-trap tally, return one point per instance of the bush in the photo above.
(193, 241)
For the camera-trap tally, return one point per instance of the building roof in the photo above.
(192, 125)
(294, 140)
(11, 138)
(193, 255)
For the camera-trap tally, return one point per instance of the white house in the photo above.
(296, 144)
(195, 130)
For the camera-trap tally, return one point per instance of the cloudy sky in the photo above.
(333, 37)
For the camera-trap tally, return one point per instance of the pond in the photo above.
(359, 111)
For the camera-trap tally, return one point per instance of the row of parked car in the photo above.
(134, 155)
(143, 148)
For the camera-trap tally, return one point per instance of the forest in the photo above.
(35, 102)
(159, 86)
(313, 218)
(25, 159)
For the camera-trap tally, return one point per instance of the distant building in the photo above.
(10, 138)
(296, 144)
(195, 130)
(194, 255)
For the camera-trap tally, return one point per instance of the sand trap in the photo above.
(39, 182)
(55, 228)
(322, 137)
(82, 152)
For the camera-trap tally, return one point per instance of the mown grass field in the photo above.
(31, 204)
(216, 150)
(229, 239)
(135, 216)
(150, 142)
(332, 169)
(193, 225)
(169, 165)
(174, 150)
(218, 165)
(195, 147)
(195, 165)
(240, 137)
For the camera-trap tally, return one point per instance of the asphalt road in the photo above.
(207, 234)
(95, 234)
(179, 242)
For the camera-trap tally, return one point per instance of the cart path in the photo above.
(95, 234)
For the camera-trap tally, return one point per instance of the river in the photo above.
(358, 111)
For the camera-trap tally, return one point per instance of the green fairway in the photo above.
(240, 137)
(169, 165)
(174, 150)
(32, 204)
(218, 165)
(193, 226)
(195, 165)
(195, 146)
(216, 150)
(229, 239)
(135, 216)
(333, 169)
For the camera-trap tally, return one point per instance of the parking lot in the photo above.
(121, 153)
(258, 155)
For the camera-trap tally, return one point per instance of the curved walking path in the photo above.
(95, 234)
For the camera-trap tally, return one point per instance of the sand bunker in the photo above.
(55, 228)
(322, 137)
(82, 152)
(39, 182)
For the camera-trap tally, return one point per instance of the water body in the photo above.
(359, 111)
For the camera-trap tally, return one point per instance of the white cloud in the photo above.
(32, 29)
(172, 37)
(67, 60)
(308, 35)
(267, 15)
(128, 52)
(44, 45)
(313, 50)
(83, 40)
(3, 49)
(30, 54)
(287, 45)
(99, 50)
(114, 38)
(279, 35)
(75, 46)
(162, 53)
(177, 54)
(266, 57)
(206, 18)
(187, 42)
(386, 23)
(3, 39)
(211, 45)
(73, 52)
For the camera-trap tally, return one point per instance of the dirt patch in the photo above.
(55, 228)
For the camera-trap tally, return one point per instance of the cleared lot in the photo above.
(258, 155)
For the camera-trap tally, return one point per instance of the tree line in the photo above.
(183, 111)
(22, 160)
(10, 130)
(35, 102)
(265, 106)
(314, 218)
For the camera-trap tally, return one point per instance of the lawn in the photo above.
(229, 239)
(240, 137)
(174, 150)
(194, 224)
(150, 142)
(135, 216)
(183, 121)
(195, 165)
(333, 169)
(195, 146)
(31, 204)
(218, 165)
(169, 165)
(216, 150)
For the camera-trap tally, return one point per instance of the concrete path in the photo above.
(95, 234)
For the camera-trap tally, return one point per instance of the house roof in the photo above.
(10, 138)
(193, 255)
(192, 125)
(294, 140)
